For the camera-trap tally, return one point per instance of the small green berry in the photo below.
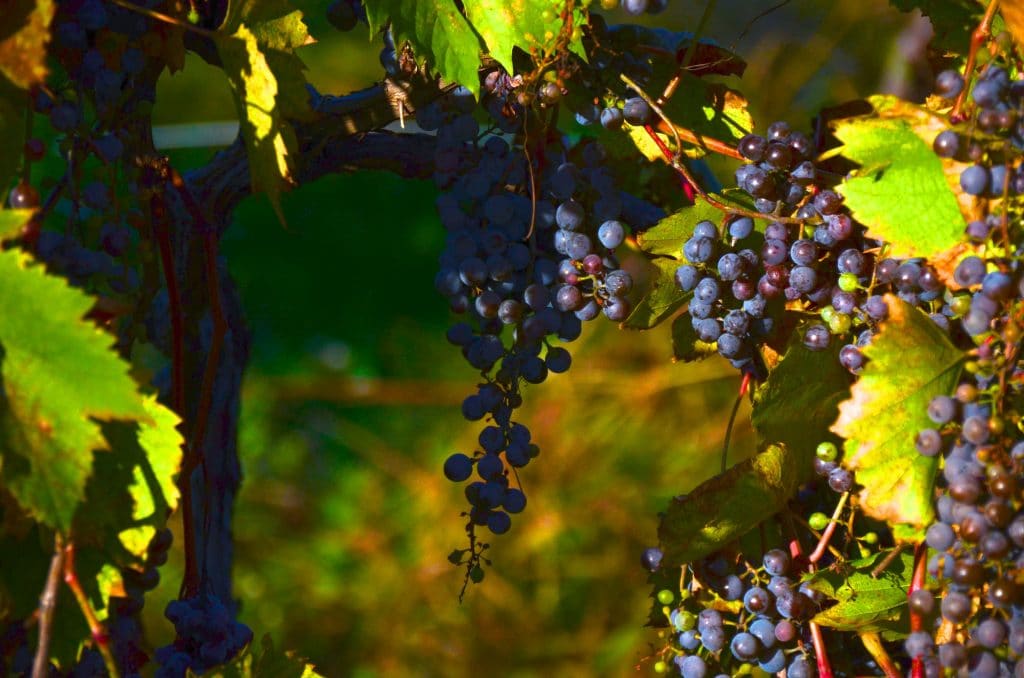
(848, 282)
(828, 313)
(870, 538)
(660, 667)
(665, 597)
(827, 451)
(839, 323)
(818, 521)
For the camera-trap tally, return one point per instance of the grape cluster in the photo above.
(997, 102)
(529, 257)
(207, 635)
(977, 539)
(732, 613)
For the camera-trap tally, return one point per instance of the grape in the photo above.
(499, 522)
(946, 144)
(975, 180)
(611, 234)
(817, 338)
(949, 84)
(741, 228)
(23, 196)
(651, 559)
(956, 607)
(636, 111)
(757, 600)
(692, 666)
(744, 646)
(713, 639)
(928, 442)
(840, 480)
(918, 644)
(941, 409)
(342, 15)
(634, 7)
(952, 655)
(922, 601)
(800, 668)
(611, 118)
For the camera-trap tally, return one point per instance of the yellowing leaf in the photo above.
(25, 30)
(910, 361)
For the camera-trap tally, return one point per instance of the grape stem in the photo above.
(728, 431)
(981, 33)
(675, 161)
(99, 634)
(873, 644)
(917, 583)
(826, 536)
(47, 604)
(796, 552)
(168, 19)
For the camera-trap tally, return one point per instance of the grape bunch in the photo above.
(977, 539)
(529, 256)
(207, 635)
(732, 613)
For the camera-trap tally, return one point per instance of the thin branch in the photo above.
(99, 634)
(826, 536)
(168, 19)
(978, 38)
(47, 604)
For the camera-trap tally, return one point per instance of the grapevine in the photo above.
(861, 276)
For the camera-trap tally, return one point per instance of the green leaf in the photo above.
(910, 361)
(59, 374)
(901, 194)
(662, 299)
(506, 24)
(725, 507)
(685, 344)
(438, 33)
(668, 235)
(269, 139)
(864, 603)
(799, 401)
(24, 32)
(11, 222)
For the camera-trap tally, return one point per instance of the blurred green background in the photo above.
(352, 399)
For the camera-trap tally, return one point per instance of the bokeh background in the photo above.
(351, 403)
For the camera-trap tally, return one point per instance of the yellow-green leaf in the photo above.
(910, 361)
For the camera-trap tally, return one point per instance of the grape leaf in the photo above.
(12, 132)
(662, 298)
(25, 30)
(952, 20)
(725, 507)
(901, 194)
(709, 58)
(1013, 14)
(668, 235)
(862, 602)
(507, 24)
(799, 401)
(11, 221)
(685, 344)
(132, 492)
(58, 374)
(438, 33)
(269, 139)
(279, 30)
(910, 361)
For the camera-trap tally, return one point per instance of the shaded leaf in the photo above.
(685, 344)
(799, 401)
(25, 31)
(862, 602)
(12, 131)
(952, 20)
(662, 299)
(727, 506)
(59, 373)
(910, 361)
(709, 58)
(901, 193)
(265, 662)
(438, 34)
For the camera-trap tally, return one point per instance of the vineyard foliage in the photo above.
(864, 279)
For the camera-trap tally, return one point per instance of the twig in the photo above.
(917, 583)
(820, 656)
(47, 604)
(873, 644)
(887, 561)
(168, 19)
(981, 33)
(99, 634)
(826, 536)
(728, 431)
(675, 161)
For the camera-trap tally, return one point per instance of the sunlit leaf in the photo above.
(910, 361)
(900, 193)
(59, 374)
(506, 24)
(438, 34)
(24, 33)
(862, 602)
